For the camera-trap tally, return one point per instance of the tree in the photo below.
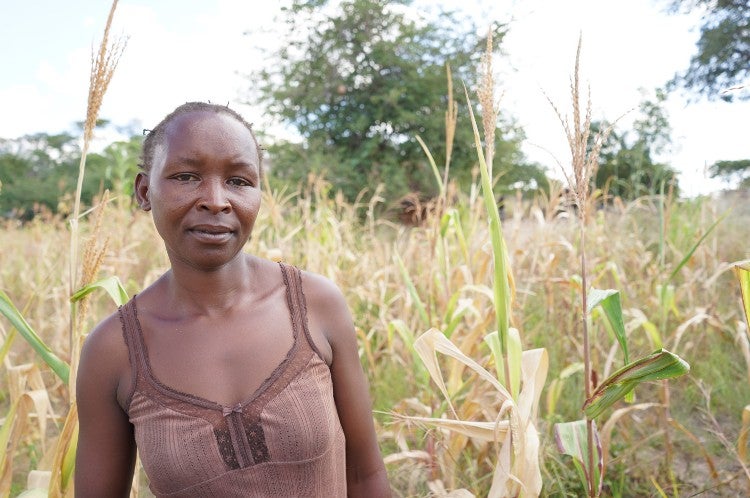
(38, 170)
(358, 81)
(116, 165)
(722, 61)
(34, 170)
(626, 165)
(732, 172)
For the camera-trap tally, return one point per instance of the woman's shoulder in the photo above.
(321, 293)
(327, 310)
(105, 351)
(106, 336)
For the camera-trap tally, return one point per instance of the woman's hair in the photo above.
(155, 137)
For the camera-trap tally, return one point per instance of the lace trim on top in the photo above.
(239, 434)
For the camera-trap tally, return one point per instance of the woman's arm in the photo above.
(365, 471)
(105, 458)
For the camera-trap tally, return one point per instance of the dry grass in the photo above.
(325, 235)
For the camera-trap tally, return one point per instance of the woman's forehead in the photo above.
(206, 134)
(203, 121)
(208, 130)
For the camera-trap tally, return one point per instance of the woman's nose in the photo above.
(214, 197)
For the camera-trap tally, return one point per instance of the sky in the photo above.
(179, 51)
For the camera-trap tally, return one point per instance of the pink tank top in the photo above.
(285, 441)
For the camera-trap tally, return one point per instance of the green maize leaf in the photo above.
(432, 164)
(596, 296)
(412, 291)
(651, 329)
(572, 441)
(501, 283)
(17, 320)
(464, 305)
(514, 361)
(653, 332)
(445, 223)
(403, 332)
(493, 341)
(7, 343)
(659, 365)
(609, 300)
(743, 275)
(110, 284)
(400, 327)
(450, 307)
(69, 460)
(695, 246)
(456, 222)
(667, 300)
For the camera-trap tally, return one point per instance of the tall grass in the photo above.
(54, 477)
(309, 228)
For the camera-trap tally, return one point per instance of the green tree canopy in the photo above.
(358, 81)
(722, 61)
(40, 170)
(732, 171)
(627, 167)
(34, 170)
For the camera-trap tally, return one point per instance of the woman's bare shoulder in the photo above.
(106, 337)
(322, 294)
(105, 352)
(327, 309)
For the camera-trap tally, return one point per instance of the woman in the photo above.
(231, 375)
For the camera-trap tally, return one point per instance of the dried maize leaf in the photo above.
(11, 431)
(696, 319)
(61, 482)
(34, 493)
(742, 440)
(410, 455)
(534, 367)
(432, 342)
(437, 489)
(743, 275)
(494, 432)
(525, 476)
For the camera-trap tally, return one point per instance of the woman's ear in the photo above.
(141, 191)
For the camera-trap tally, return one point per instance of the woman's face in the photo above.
(203, 189)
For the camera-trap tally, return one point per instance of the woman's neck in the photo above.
(201, 292)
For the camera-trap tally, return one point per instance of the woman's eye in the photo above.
(184, 177)
(239, 182)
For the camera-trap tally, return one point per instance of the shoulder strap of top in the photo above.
(136, 354)
(297, 304)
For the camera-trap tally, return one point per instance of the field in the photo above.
(454, 280)
(402, 280)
